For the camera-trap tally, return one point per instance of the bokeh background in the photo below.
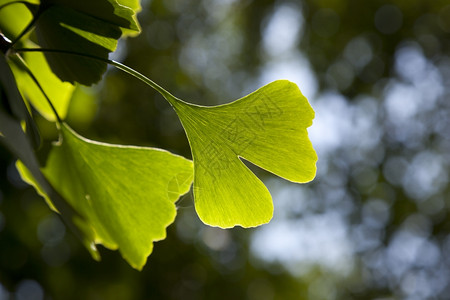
(374, 224)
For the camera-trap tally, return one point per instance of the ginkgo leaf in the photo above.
(121, 13)
(59, 92)
(15, 102)
(135, 5)
(83, 26)
(13, 137)
(267, 128)
(125, 193)
(19, 139)
(10, 24)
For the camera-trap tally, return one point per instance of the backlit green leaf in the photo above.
(135, 5)
(126, 194)
(120, 13)
(14, 18)
(267, 128)
(68, 30)
(19, 143)
(59, 92)
(88, 27)
(8, 88)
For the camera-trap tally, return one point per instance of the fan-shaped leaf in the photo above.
(125, 193)
(59, 92)
(88, 27)
(16, 140)
(267, 128)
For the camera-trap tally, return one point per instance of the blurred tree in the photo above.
(374, 224)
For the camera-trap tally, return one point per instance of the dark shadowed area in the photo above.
(374, 224)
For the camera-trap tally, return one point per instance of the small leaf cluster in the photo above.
(124, 197)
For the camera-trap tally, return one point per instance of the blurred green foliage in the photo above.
(379, 82)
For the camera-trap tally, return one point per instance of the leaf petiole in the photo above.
(168, 96)
(19, 60)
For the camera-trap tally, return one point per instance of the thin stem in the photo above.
(25, 66)
(168, 96)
